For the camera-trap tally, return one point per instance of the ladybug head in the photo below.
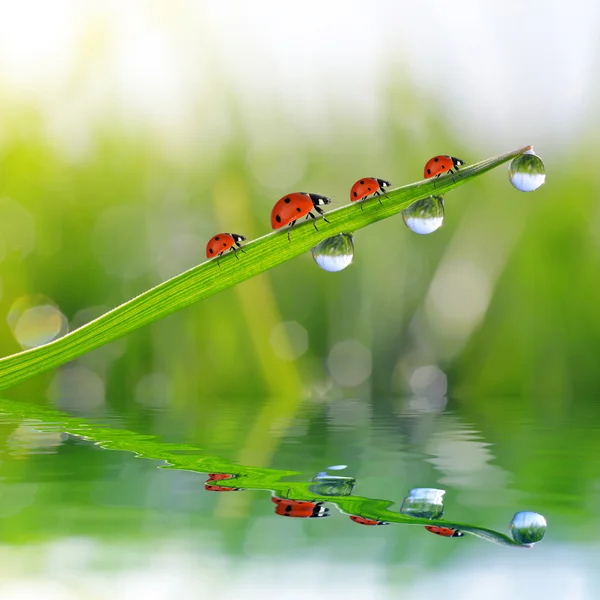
(318, 200)
(383, 183)
(458, 534)
(237, 238)
(457, 162)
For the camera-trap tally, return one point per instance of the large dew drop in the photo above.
(334, 253)
(527, 172)
(425, 216)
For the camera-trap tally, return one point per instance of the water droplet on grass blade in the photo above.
(527, 172)
(527, 527)
(334, 253)
(425, 216)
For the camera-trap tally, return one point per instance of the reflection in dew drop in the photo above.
(334, 253)
(527, 527)
(424, 503)
(425, 216)
(527, 172)
(337, 467)
(35, 320)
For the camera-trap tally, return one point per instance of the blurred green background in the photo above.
(131, 134)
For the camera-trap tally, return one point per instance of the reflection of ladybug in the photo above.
(219, 488)
(439, 165)
(444, 531)
(363, 521)
(219, 476)
(301, 509)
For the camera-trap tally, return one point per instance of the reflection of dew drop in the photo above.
(337, 467)
(425, 216)
(527, 527)
(35, 320)
(425, 503)
(334, 253)
(527, 172)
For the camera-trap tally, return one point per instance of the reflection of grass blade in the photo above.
(190, 458)
(210, 278)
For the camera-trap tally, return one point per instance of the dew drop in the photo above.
(527, 172)
(527, 527)
(425, 216)
(334, 253)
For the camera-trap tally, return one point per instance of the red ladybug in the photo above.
(222, 242)
(300, 509)
(439, 165)
(367, 186)
(444, 531)
(219, 488)
(363, 521)
(290, 208)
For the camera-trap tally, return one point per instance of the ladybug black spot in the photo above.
(428, 171)
(355, 194)
(217, 239)
(211, 250)
(278, 219)
(287, 200)
(362, 183)
(298, 209)
(435, 159)
(288, 508)
(369, 189)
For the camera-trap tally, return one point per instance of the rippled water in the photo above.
(91, 508)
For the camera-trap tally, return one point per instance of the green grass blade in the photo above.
(210, 278)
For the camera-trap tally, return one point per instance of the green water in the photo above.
(106, 503)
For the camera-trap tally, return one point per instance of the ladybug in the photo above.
(209, 487)
(290, 208)
(367, 186)
(222, 242)
(439, 165)
(444, 531)
(300, 509)
(363, 521)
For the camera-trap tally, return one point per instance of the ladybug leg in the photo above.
(219, 259)
(314, 219)
(292, 223)
(322, 213)
(377, 193)
(235, 252)
(240, 247)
